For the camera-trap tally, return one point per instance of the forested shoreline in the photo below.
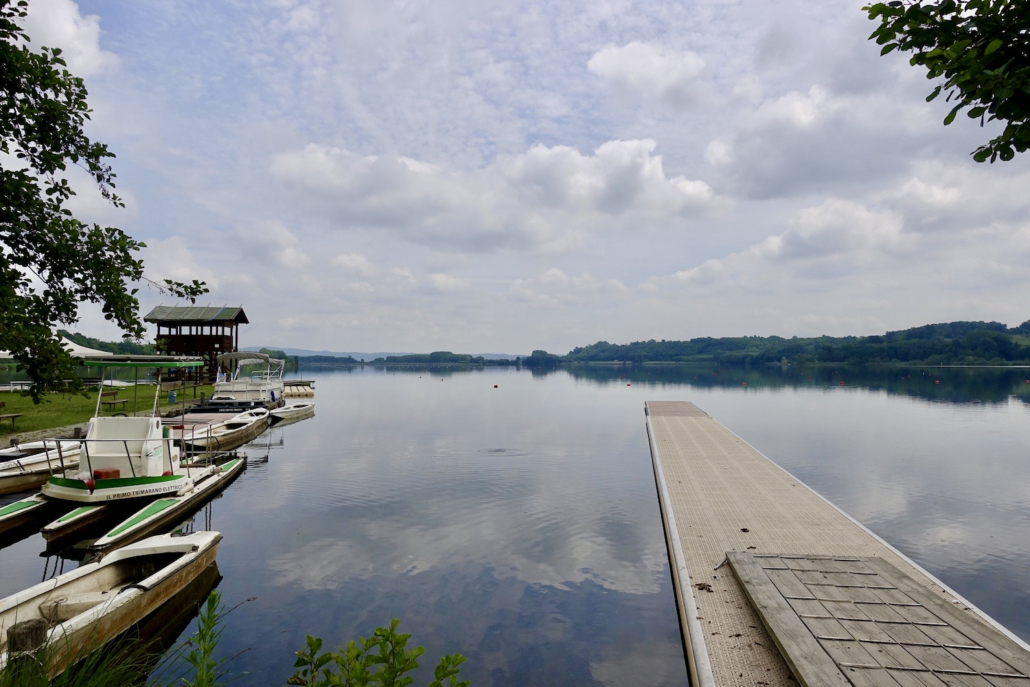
(949, 343)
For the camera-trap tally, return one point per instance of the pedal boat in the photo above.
(87, 607)
(29, 465)
(225, 435)
(291, 413)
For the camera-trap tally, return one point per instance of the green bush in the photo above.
(382, 660)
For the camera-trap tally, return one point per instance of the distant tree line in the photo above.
(951, 343)
(441, 358)
(289, 361)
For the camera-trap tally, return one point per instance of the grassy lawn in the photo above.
(60, 410)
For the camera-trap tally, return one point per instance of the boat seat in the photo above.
(64, 608)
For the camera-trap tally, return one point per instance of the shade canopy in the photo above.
(249, 358)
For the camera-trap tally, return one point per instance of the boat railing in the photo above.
(103, 443)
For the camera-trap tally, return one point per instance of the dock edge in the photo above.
(698, 665)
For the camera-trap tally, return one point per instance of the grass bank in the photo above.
(61, 410)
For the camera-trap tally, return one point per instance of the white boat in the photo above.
(264, 389)
(225, 435)
(14, 514)
(29, 465)
(291, 413)
(124, 458)
(87, 607)
(73, 520)
(165, 511)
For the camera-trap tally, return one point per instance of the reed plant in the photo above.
(381, 660)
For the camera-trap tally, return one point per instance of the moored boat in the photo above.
(291, 413)
(14, 514)
(85, 608)
(165, 511)
(73, 520)
(225, 435)
(125, 458)
(29, 465)
(234, 390)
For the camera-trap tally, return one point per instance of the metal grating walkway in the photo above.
(718, 495)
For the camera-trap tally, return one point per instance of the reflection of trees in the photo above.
(950, 385)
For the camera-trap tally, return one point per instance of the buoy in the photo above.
(629, 385)
(166, 473)
(90, 484)
(743, 383)
(842, 382)
(936, 381)
(495, 386)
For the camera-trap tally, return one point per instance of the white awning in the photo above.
(77, 351)
(74, 350)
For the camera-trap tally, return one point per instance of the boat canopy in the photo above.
(249, 358)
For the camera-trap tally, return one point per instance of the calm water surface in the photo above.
(519, 525)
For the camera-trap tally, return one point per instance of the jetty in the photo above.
(777, 586)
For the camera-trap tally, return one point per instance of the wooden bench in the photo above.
(111, 404)
(11, 416)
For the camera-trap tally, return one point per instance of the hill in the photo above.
(949, 343)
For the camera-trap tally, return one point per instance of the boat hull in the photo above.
(118, 489)
(227, 441)
(286, 415)
(76, 638)
(164, 512)
(19, 512)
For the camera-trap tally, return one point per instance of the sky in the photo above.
(484, 176)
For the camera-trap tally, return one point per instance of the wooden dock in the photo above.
(719, 495)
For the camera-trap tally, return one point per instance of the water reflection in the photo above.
(946, 384)
(519, 525)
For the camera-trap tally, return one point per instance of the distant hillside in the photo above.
(949, 343)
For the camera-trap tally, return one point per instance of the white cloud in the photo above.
(58, 24)
(542, 200)
(650, 70)
(836, 227)
(446, 282)
(356, 263)
(554, 287)
(270, 242)
(172, 258)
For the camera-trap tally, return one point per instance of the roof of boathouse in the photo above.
(196, 314)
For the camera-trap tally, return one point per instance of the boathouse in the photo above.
(203, 331)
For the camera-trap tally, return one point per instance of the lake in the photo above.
(519, 525)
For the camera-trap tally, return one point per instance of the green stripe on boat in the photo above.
(113, 483)
(18, 505)
(76, 513)
(153, 509)
(226, 467)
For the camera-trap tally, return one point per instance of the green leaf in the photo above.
(992, 46)
(888, 48)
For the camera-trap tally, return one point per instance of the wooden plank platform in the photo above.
(720, 495)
